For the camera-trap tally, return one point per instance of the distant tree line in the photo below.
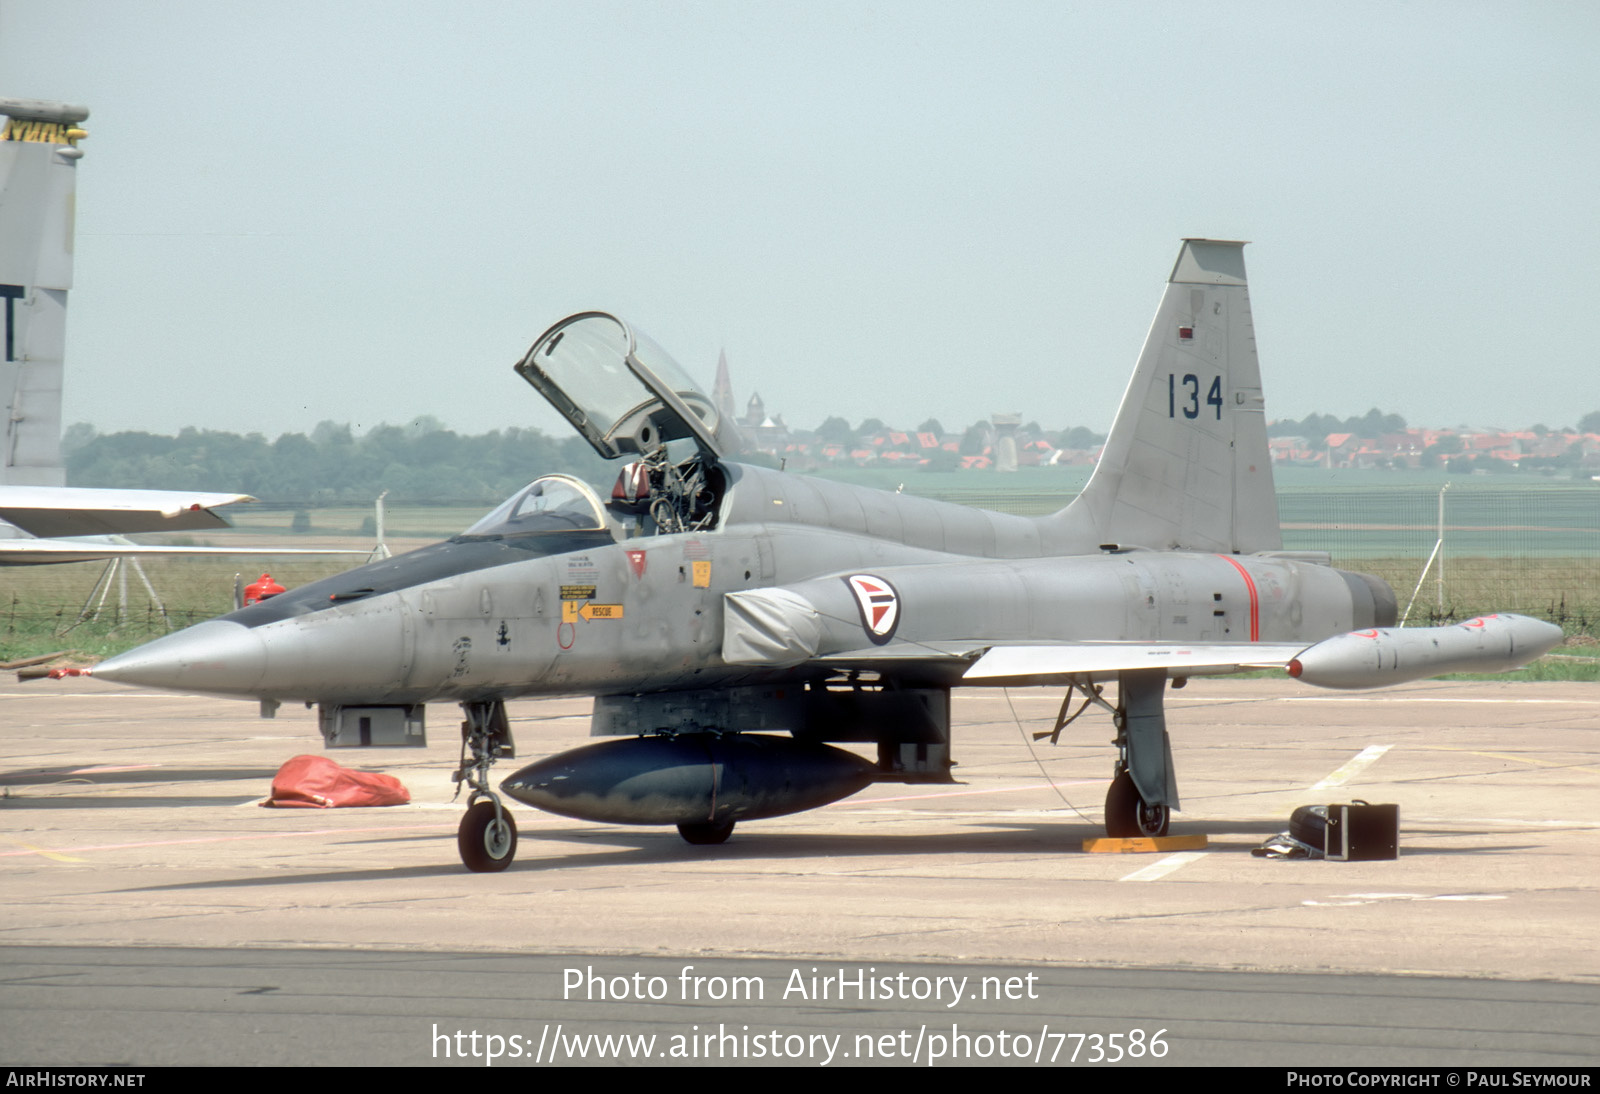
(416, 462)
(1374, 423)
(422, 461)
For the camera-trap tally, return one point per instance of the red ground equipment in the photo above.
(316, 782)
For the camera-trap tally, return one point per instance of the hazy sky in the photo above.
(291, 212)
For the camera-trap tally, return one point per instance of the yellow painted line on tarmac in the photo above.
(31, 849)
(1508, 756)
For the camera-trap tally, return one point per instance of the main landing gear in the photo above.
(707, 833)
(1128, 815)
(1144, 790)
(487, 837)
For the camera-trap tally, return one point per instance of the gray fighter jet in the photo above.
(731, 621)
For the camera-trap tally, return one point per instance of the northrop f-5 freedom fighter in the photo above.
(734, 622)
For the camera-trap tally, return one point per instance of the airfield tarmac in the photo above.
(155, 914)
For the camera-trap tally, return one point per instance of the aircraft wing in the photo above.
(1055, 663)
(784, 626)
(30, 552)
(1370, 658)
(79, 511)
(991, 664)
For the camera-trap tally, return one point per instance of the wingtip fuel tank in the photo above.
(1397, 655)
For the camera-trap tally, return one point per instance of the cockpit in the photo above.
(628, 398)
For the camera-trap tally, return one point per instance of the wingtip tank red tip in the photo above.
(1397, 655)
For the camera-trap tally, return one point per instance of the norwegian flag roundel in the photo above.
(879, 605)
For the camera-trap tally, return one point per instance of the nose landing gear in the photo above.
(487, 838)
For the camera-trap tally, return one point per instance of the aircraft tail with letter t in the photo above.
(38, 200)
(38, 182)
(1186, 465)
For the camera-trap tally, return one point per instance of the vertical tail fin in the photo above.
(1186, 466)
(38, 169)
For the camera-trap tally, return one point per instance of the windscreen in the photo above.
(554, 503)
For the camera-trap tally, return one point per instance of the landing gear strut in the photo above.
(487, 838)
(1144, 790)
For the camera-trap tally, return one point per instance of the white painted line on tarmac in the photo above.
(1365, 759)
(1161, 869)
(1350, 900)
(1367, 699)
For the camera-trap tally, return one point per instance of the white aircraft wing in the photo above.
(990, 664)
(1054, 663)
(79, 511)
(28, 552)
(1370, 658)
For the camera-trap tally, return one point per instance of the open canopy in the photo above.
(619, 389)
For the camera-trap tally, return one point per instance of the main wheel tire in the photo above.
(488, 843)
(1309, 825)
(707, 833)
(1128, 815)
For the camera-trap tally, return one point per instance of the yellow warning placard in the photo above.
(700, 573)
(572, 611)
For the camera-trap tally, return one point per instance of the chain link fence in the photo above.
(1455, 552)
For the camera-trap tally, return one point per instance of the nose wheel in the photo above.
(487, 838)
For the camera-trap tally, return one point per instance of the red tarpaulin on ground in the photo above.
(316, 782)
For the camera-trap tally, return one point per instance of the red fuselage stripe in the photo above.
(1255, 600)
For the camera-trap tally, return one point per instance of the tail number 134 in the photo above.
(1183, 395)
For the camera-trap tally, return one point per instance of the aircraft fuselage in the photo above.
(579, 612)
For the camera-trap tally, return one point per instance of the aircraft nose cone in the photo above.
(219, 657)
